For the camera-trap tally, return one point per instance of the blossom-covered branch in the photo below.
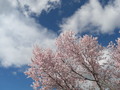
(76, 64)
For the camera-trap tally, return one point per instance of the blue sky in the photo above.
(26, 22)
(13, 78)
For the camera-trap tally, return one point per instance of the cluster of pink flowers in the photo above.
(76, 65)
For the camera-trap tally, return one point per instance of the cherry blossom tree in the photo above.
(116, 52)
(78, 63)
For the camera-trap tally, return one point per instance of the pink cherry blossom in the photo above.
(75, 65)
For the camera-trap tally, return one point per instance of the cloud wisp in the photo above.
(18, 33)
(94, 18)
(37, 6)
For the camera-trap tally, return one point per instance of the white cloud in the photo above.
(93, 14)
(17, 35)
(37, 6)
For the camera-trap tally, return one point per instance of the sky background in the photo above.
(24, 23)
